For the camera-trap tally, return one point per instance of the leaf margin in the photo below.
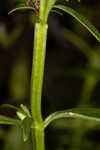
(9, 121)
(20, 9)
(86, 23)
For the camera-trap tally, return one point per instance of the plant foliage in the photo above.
(81, 19)
(76, 113)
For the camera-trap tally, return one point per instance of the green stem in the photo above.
(40, 37)
(38, 139)
(43, 11)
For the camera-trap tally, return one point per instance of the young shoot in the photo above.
(32, 121)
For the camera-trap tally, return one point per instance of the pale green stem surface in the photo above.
(40, 37)
(43, 11)
(38, 139)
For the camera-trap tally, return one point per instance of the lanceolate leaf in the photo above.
(78, 113)
(27, 124)
(21, 9)
(9, 121)
(9, 106)
(81, 19)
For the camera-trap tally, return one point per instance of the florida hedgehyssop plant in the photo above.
(32, 122)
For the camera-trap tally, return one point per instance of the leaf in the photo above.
(50, 5)
(77, 113)
(21, 112)
(81, 19)
(20, 9)
(25, 110)
(9, 121)
(9, 106)
(27, 124)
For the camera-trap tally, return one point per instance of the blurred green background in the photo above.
(72, 74)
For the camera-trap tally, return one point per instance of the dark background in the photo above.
(71, 75)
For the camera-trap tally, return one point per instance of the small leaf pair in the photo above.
(21, 8)
(25, 122)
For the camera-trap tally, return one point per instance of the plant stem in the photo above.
(38, 139)
(40, 37)
(43, 11)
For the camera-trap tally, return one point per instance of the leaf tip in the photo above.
(9, 13)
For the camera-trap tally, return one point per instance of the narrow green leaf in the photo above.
(21, 9)
(9, 106)
(9, 121)
(77, 113)
(81, 19)
(27, 124)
